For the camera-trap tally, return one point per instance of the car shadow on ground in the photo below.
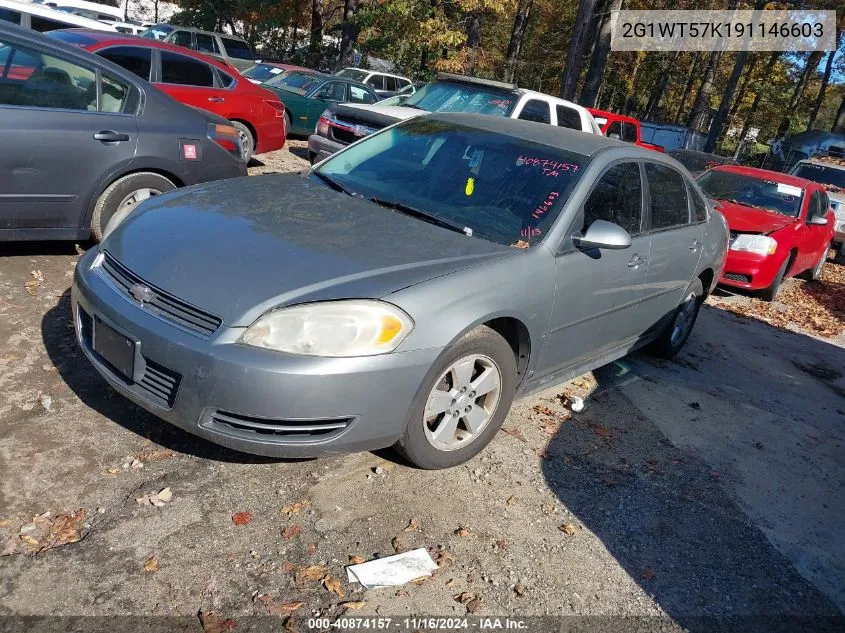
(688, 471)
(60, 342)
(301, 152)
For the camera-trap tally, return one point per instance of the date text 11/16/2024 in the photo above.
(418, 623)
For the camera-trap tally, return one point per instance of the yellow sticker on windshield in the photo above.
(470, 186)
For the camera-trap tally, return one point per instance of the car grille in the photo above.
(158, 384)
(162, 303)
(745, 279)
(250, 427)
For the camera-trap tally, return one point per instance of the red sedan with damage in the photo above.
(195, 80)
(780, 226)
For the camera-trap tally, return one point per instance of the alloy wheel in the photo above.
(135, 198)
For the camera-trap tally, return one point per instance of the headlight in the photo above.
(323, 122)
(331, 328)
(760, 244)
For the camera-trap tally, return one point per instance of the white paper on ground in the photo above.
(391, 571)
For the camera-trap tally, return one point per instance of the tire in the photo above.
(481, 352)
(770, 293)
(122, 196)
(673, 337)
(815, 273)
(840, 255)
(312, 157)
(247, 140)
(288, 123)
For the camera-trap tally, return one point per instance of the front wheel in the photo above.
(677, 331)
(464, 402)
(122, 196)
(815, 273)
(771, 292)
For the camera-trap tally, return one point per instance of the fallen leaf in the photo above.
(151, 564)
(502, 544)
(444, 559)
(519, 589)
(312, 548)
(511, 500)
(514, 433)
(402, 593)
(647, 574)
(568, 529)
(274, 608)
(291, 531)
(354, 604)
(294, 508)
(242, 518)
(213, 623)
(313, 572)
(413, 526)
(165, 494)
(398, 547)
(464, 597)
(357, 560)
(113, 471)
(289, 566)
(463, 531)
(29, 540)
(450, 582)
(334, 586)
(473, 605)
(149, 456)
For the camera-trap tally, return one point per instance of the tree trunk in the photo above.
(727, 96)
(660, 85)
(822, 89)
(702, 98)
(473, 39)
(348, 33)
(740, 95)
(638, 64)
(577, 44)
(688, 88)
(315, 41)
(813, 60)
(155, 11)
(598, 61)
(839, 120)
(520, 22)
(752, 111)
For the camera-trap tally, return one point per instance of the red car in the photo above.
(780, 226)
(623, 127)
(195, 80)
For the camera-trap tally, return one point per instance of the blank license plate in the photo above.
(115, 348)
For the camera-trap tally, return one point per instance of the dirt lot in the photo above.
(710, 486)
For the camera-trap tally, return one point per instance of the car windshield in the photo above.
(491, 185)
(262, 72)
(446, 96)
(752, 192)
(833, 178)
(157, 32)
(352, 73)
(295, 81)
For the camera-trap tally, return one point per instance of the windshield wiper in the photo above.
(422, 215)
(334, 184)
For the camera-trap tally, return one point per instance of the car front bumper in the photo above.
(249, 399)
(321, 147)
(750, 271)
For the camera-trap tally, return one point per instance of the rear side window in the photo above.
(390, 84)
(182, 38)
(629, 132)
(115, 95)
(536, 110)
(332, 91)
(698, 206)
(8, 15)
(206, 43)
(668, 193)
(376, 81)
(236, 48)
(568, 117)
(42, 25)
(359, 95)
(184, 71)
(133, 58)
(226, 80)
(617, 198)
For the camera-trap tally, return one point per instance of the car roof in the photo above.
(126, 39)
(54, 14)
(193, 29)
(542, 133)
(694, 152)
(766, 174)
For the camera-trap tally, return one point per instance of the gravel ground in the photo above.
(687, 491)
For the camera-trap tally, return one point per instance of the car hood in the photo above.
(383, 114)
(240, 247)
(749, 220)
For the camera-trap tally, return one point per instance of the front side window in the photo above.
(35, 79)
(752, 192)
(7, 15)
(376, 81)
(332, 91)
(536, 110)
(668, 194)
(617, 198)
(501, 188)
(698, 206)
(568, 117)
(133, 58)
(205, 43)
(185, 71)
(614, 130)
(182, 38)
(390, 84)
(629, 132)
(236, 49)
(446, 96)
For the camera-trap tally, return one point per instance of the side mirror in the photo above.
(603, 234)
(818, 220)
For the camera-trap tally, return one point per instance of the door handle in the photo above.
(109, 136)
(636, 260)
(695, 245)
(216, 99)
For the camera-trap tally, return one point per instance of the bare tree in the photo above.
(598, 60)
(823, 88)
(722, 113)
(315, 43)
(660, 85)
(746, 78)
(520, 23)
(752, 111)
(348, 32)
(702, 98)
(839, 119)
(688, 88)
(577, 45)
